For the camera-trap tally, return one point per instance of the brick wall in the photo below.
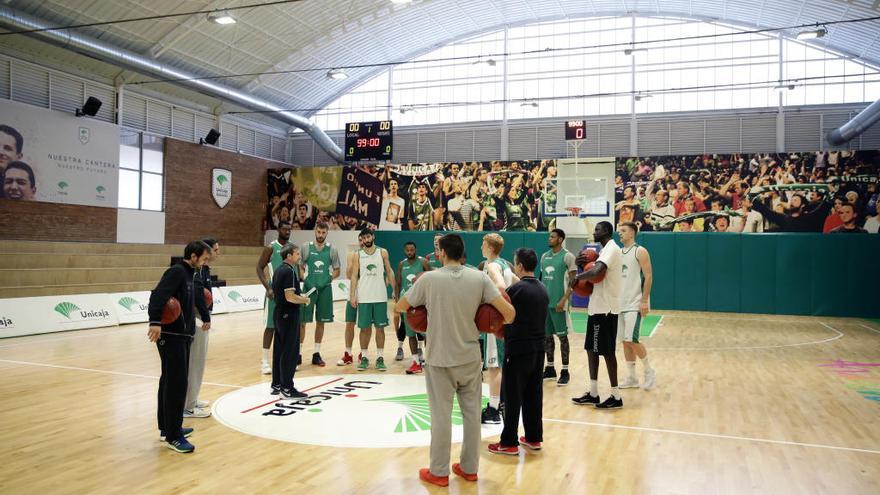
(190, 210)
(30, 220)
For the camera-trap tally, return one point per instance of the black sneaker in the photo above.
(563, 378)
(611, 402)
(293, 394)
(490, 416)
(185, 431)
(275, 390)
(586, 400)
(316, 360)
(550, 373)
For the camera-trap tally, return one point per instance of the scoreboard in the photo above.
(575, 130)
(368, 141)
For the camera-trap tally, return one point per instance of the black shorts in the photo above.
(601, 334)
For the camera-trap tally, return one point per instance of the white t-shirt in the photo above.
(390, 220)
(606, 294)
(752, 222)
(872, 225)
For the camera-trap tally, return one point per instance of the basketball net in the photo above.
(573, 211)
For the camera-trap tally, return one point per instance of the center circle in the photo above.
(366, 411)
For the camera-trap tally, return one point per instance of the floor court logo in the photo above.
(370, 411)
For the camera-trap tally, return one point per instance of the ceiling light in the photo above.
(401, 2)
(815, 33)
(336, 74)
(489, 61)
(533, 104)
(640, 96)
(629, 51)
(222, 18)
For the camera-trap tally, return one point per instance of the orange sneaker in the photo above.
(426, 476)
(456, 468)
(414, 368)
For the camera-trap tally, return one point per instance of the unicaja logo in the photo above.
(131, 304)
(69, 310)
(417, 415)
(240, 299)
(66, 308)
(6, 322)
(235, 296)
(371, 267)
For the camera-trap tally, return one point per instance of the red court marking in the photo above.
(351, 395)
(278, 400)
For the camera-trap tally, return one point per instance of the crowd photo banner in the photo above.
(823, 191)
(457, 196)
(56, 157)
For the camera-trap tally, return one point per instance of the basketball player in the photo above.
(452, 295)
(319, 268)
(350, 311)
(198, 353)
(369, 294)
(271, 257)
(603, 311)
(557, 269)
(635, 302)
(173, 342)
(501, 274)
(407, 272)
(434, 258)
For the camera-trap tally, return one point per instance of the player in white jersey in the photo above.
(501, 274)
(635, 302)
(369, 294)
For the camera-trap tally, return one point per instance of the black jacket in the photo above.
(809, 221)
(202, 282)
(179, 282)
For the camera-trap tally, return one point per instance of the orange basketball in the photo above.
(209, 297)
(489, 319)
(597, 279)
(171, 311)
(417, 318)
(583, 288)
(587, 255)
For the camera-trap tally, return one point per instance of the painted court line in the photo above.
(91, 370)
(715, 435)
(752, 348)
(279, 399)
(869, 328)
(733, 318)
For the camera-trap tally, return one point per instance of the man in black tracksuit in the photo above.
(523, 370)
(286, 287)
(173, 341)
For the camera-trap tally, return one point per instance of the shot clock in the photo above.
(575, 130)
(368, 141)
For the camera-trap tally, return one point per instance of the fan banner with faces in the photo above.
(464, 196)
(822, 191)
(56, 157)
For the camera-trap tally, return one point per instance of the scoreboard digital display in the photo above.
(575, 130)
(368, 141)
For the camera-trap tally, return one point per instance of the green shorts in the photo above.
(492, 357)
(556, 322)
(351, 314)
(321, 305)
(269, 308)
(375, 314)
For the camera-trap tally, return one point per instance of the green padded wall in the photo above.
(796, 274)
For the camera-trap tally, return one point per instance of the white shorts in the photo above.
(491, 357)
(628, 324)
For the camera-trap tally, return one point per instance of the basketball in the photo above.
(583, 288)
(209, 297)
(587, 255)
(597, 279)
(489, 319)
(417, 318)
(171, 311)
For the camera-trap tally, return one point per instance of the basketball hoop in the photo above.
(573, 211)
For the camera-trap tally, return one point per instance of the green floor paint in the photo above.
(875, 321)
(649, 323)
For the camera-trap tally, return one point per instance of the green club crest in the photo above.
(65, 308)
(128, 302)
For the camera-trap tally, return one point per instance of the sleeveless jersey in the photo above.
(275, 260)
(371, 279)
(553, 273)
(506, 272)
(631, 277)
(434, 261)
(408, 274)
(318, 265)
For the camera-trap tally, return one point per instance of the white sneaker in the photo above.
(267, 369)
(202, 403)
(198, 412)
(629, 382)
(650, 379)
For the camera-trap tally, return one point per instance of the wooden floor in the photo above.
(742, 406)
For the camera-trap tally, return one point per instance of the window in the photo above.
(141, 169)
(568, 69)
